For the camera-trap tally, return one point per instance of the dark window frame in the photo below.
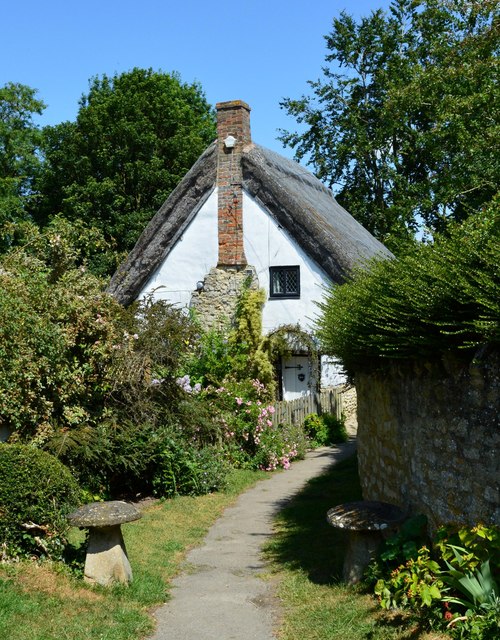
(288, 291)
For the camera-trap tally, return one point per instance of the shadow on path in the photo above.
(304, 540)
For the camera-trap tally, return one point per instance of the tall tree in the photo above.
(404, 124)
(135, 136)
(19, 158)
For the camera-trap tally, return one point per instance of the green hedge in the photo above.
(36, 493)
(438, 298)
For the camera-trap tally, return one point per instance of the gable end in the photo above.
(165, 228)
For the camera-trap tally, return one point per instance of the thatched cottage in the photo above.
(241, 212)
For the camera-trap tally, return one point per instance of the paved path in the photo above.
(220, 596)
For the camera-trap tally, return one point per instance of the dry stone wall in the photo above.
(429, 439)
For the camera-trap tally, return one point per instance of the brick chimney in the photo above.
(233, 133)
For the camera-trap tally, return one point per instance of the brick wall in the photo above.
(233, 119)
(429, 439)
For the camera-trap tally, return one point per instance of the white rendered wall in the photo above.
(268, 245)
(191, 258)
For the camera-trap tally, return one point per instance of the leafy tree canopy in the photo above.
(19, 142)
(404, 123)
(135, 136)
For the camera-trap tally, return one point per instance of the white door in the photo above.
(296, 375)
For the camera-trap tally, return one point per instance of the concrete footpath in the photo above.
(220, 595)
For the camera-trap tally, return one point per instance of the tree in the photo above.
(135, 136)
(406, 129)
(19, 158)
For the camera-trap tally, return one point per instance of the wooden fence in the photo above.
(294, 411)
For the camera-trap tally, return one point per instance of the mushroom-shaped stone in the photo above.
(106, 559)
(366, 523)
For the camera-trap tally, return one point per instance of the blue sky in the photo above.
(253, 50)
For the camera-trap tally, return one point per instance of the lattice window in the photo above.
(284, 282)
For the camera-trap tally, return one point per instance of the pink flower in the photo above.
(239, 401)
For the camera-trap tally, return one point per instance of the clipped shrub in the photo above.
(438, 298)
(36, 493)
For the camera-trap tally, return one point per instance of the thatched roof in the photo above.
(297, 200)
(303, 206)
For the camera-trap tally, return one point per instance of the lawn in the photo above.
(47, 602)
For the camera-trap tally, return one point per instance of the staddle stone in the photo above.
(365, 521)
(106, 561)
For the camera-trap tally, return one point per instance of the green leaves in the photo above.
(135, 136)
(19, 145)
(437, 298)
(404, 123)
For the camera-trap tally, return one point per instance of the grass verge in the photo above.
(307, 556)
(44, 601)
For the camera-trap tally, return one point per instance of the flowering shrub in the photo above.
(185, 384)
(250, 438)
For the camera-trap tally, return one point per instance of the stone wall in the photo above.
(349, 409)
(215, 303)
(429, 439)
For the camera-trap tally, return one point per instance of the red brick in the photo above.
(233, 119)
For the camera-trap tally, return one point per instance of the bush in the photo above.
(448, 587)
(36, 493)
(278, 446)
(80, 376)
(56, 347)
(438, 298)
(249, 437)
(186, 470)
(324, 429)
